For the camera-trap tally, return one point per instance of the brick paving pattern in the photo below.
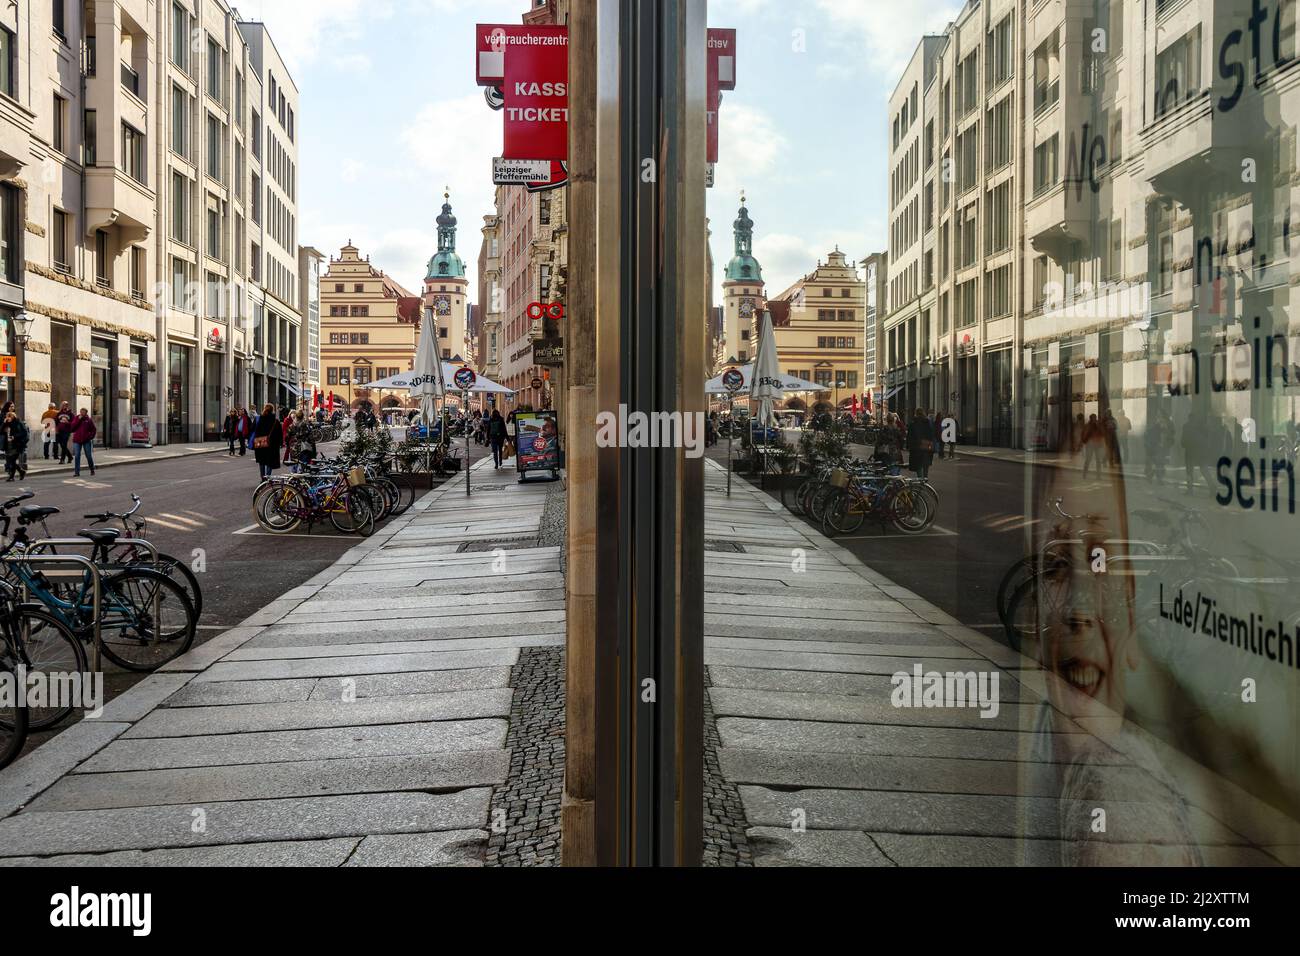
(531, 795)
(725, 843)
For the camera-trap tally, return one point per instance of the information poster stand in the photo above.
(537, 445)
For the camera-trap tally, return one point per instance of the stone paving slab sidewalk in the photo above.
(801, 639)
(360, 719)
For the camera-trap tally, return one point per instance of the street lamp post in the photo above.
(22, 335)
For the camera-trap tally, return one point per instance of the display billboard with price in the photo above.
(537, 442)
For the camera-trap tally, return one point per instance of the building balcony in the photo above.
(1059, 217)
(15, 137)
(1188, 150)
(115, 199)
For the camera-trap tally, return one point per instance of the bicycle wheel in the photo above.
(846, 512)
(1034, 605)
(13, 716)
(828, 507)
(1016, 575)
(377, 500)
(405, 495)
(280, 509)
(911, 512)
(180, 572)
(799, 497)
(47, 646)
(145, 619)
(817, 503)
(352, 514)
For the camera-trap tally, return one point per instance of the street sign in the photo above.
(733, 380)
(548, 352)
(464, 378)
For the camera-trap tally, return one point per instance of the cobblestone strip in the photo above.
(529, 834)
(725, 843)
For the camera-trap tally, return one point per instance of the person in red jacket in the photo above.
(83, 439)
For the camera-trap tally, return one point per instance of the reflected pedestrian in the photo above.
(920, 443)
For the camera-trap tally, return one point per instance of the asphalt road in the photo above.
(199, 509)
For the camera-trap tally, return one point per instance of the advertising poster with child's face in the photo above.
(537, 444)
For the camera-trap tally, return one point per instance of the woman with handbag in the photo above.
(920, 443)
(268, 439)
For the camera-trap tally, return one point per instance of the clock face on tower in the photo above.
(746, 307)
(442, 304)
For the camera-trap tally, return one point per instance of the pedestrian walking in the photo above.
(1110, 430)
(920, 443)
(47, 430)
(230, 430)
(1123, 428)
(1093, 441)
(268, 438)
(243, 430)
(1156, 442)
(63, 431)
(498, 432)
(15, 437)
(301, 446)
(83, 441)
(5, 409)
(948, 428)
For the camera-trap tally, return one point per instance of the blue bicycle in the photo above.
(145, 618)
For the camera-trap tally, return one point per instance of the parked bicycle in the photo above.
(145, 618)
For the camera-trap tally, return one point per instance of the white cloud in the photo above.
(751, 151)
(786, 258)
(306, 29)
(891, 35)
(402, 253)
(450, 144)
(353, 64)
(350, 170)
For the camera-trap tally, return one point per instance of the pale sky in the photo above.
(390, 114)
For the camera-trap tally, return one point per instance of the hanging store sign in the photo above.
(519, 172)
(548, 352)
(528, 68)
(721, 76)
(8, 366)
(733, 380)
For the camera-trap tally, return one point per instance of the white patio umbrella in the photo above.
(789, 383)
(401, 381)
(426, 382)
(765, 382)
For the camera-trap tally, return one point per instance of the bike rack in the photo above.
(35, 546)
(74, 565)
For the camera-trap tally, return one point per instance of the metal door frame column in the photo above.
(650, 301)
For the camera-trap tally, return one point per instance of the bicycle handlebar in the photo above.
(102, 516)
(15, 501)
